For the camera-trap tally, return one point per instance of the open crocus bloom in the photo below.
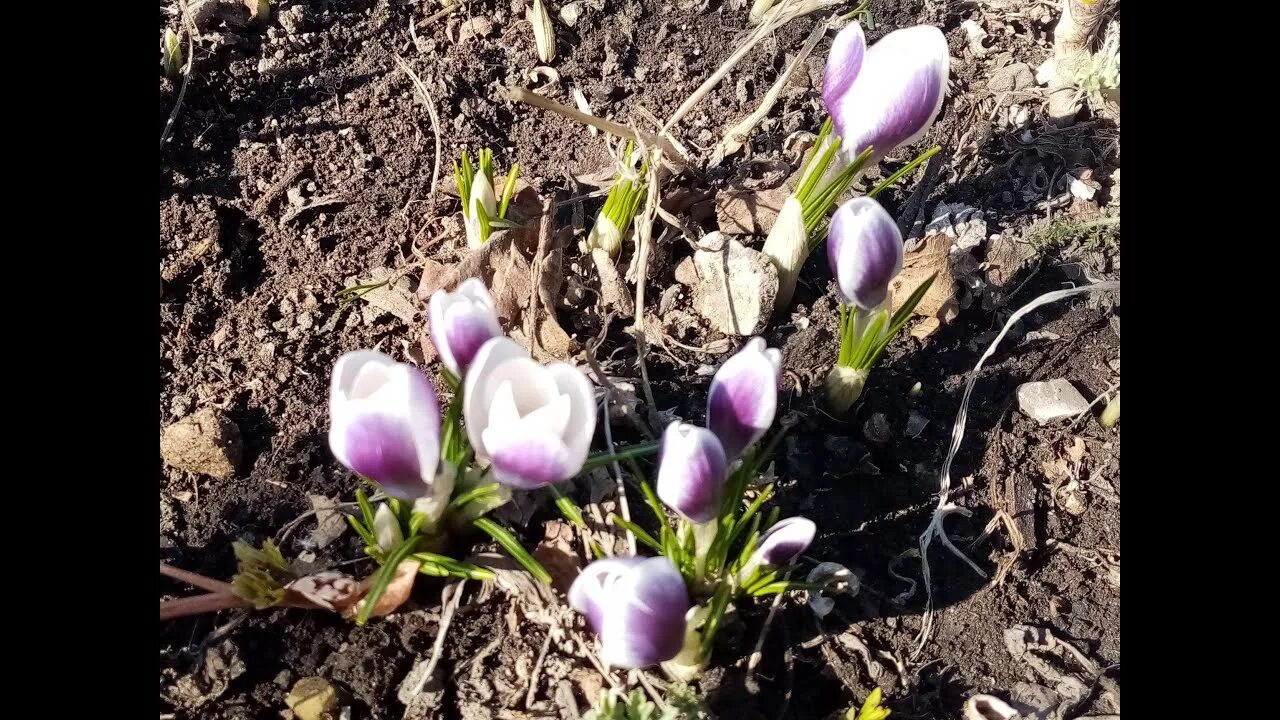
(636, 605)
(691, 472)
(864, 248)
(888, 95)
(385, 422)
(461, 322)
(532, 422)
(744, 397)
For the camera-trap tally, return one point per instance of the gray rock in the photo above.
(736, 288)
(1051, 400)
(206, 442)
(1011, 78)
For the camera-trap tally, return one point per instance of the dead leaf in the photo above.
(939, 304)
(394, 297)
(749, 212)
(558, 554)
(1056, 470)
(330, 522)
(330, 590)
(396, 594)
(221, 665)
(1077, 450)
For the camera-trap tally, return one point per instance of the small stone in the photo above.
(206, 442)
(1051, 400)
(1040, 335)
(293, 19)
(570, 13)
(313, 698)
(751, 281)
(877, 430)
(1115, 325)
(916, 424)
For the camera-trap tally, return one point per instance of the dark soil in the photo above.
(251, 324)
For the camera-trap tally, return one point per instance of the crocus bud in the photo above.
(636, 605)
(691, 472)
(781, 545)
(787, 247)
(461, 321)
(534, 423)
(864, 248)
(744, 397)
(386, 528)
(384, 422)
(604, 235)
(482, 200)
(895, 93)
(844, 387)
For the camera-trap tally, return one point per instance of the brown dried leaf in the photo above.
(1056, 470)
(749, 212)
(1077, 450)
(939, 304)
(558, 554)
(329, 590)
(396, 594)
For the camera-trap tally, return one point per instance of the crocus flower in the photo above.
(533, 422)
(692, 470)
(781, 545)
(462, 321)
(888, 95)
(744, 397)
(864, 248)
(636, 605)
(385, 422)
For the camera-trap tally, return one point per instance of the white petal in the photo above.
(581, 426)
(480, 386)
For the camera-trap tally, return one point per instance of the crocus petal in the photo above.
(581, 428)
(644, 616)
(461, 322)
(386, 528)
(784, 542)
(844, 62)
(385, 422)
(864, 248)
(692, 471)
(744, 397)
(482, 196)
(533, 459)
(897, 93)
(534, 423)
(588, 594)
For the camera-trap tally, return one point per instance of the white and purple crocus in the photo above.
(533, 422)
(636, 605)
(461, 322)
(886, 95)
(385, 423)
(865, 250)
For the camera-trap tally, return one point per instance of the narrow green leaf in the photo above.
(508, 190)
(383, 578)
(364, 534)
(366, 509)
(638, 531)
(895, 177)
(719, 602)
(568, 508)
(503, 537)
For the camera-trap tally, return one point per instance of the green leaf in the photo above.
(366, 509)
(902, 172)
(719, 602)
(504, 538)
(364, 534)
(597, 460)
(382, 579)
(636, 530)
(568, 508)
(508, 190)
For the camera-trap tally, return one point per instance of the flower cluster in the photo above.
(879, 98)
(513, 423)
(666, 609)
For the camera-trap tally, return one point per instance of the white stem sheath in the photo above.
(787, 247)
